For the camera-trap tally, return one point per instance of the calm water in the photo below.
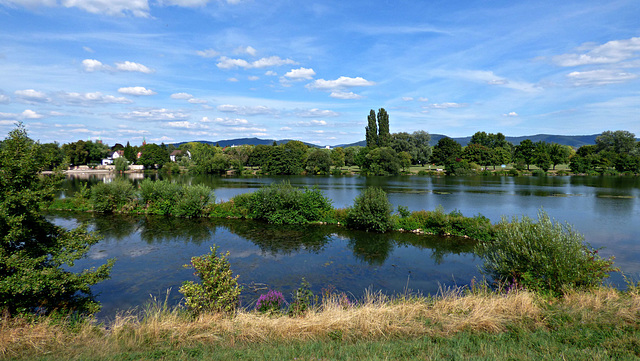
(152, 250)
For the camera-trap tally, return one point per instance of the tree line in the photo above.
(385, 153)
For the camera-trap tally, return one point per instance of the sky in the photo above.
(184, 70)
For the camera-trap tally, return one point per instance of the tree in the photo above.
(541, 156)
(421, 150)
(525, 152)
(478, 154)
(338, 157)
(620, 141)
(153, 156)
(446, 152)
(382, 161)
(559, 154)
(384, 138)
(371, 130)
(319, 162)
(34, 253)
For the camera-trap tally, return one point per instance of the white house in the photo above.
(115, 155)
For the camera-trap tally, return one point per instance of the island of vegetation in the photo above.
(543, 298)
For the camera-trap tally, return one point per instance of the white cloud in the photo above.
(228, 63)
(407, 99)
(197, 101)
(311, 123)
(183, 96)
(233, 80)
(270, 73)
(137, 91)
(300, 74)
(88, 49)
(423, 99)
(89, 99)
(345, 95)
(488, 77)
(155, 114)
(30, 114)
(139, 8)
(228, 121)
(614, 51)
(253, 78)
(91, 65)
(4, 98)
(164, 138)
(510, 114)
(208, 53)
(448, 105)
(248, 50)
(185, 3)
(246, 110)
(184, 124)
(340, 83)
(133, 67)
(599, 77)
(32, 96)
(316, 113)
(285, 128)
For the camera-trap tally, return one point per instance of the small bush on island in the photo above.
(113, 196)
(453, 223)
(218, 291)
(371, 211)
(281, 203)
(544, 256)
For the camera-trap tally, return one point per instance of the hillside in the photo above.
(575, 141)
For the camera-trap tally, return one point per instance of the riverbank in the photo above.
(600, 324)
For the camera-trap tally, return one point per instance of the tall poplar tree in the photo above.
(384, 138)
(372, 130)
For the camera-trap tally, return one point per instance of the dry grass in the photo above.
(377, 317)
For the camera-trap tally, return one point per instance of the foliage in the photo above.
(193, 201)
(121, 164)
(303, 300)
(525, 152)
(209, 159)
(270, 302)
(281, 203)
(153, 156)
(384, 138)
(371, 130)
(453, 223)
(113, 196)
(446, 152)
(319, 162)
(218, 291)
(371, 211)
(382, 161)
(82, 152)
(544, 256)
(34, 253)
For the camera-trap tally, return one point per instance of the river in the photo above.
(152, 250)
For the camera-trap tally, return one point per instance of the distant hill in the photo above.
(573, 140)
(244, 141)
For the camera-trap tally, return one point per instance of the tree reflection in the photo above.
(157, 229)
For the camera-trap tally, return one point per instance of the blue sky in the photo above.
(181, 70)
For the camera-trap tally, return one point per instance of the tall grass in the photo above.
(606, 316)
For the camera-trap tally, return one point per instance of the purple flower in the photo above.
(272, 301)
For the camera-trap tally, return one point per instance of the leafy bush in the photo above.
(545, 256)
(193, 201)
(270, 302)
(219, 290)
(113, 196)
(371, 211)
(282, 203)
(303, 299)
(160, 197)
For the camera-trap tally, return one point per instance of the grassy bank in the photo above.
(600, 324)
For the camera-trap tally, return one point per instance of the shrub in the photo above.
(303, 299)
(371, 211)
(270, 302)
(219, 290)
(544, 256)
(193, 201)
(161, 196)
(282, 203)
(113, 196)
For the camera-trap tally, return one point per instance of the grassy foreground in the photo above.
(596, 325)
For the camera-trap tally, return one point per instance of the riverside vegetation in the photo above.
(547, 301)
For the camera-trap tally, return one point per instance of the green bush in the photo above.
(303, 300)
(193, 201)
(160, 197)
(544, 256)
(218, 291)
(371, 211)
(113, 196)
(282, 203)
